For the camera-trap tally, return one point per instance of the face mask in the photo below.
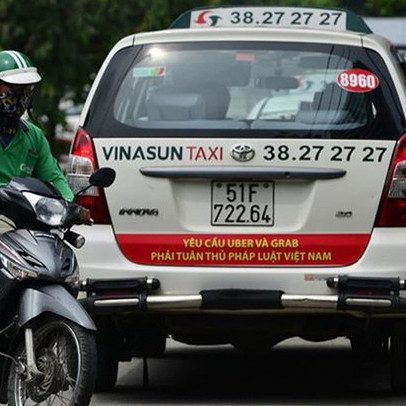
(13, 104)
(15, 101)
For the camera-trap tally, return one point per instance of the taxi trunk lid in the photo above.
(293, 203)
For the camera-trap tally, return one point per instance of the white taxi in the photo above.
(261, 186)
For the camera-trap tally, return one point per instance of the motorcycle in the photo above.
(47, 340)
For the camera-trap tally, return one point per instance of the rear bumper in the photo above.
(370, 296)
(101, 258)
(304, 289)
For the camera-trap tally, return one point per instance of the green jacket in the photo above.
(29, 154)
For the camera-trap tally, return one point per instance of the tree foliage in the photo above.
(68, 39)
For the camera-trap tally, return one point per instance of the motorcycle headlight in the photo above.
(48, 210)
(17, 271)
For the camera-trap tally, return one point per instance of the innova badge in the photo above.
(242, 152)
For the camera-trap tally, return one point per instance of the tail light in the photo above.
(392, 209)
(82, 163)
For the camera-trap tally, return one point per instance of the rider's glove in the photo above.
(83, 216)
(77, 215)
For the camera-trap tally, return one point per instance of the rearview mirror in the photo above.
(277, 82)
(103, 177)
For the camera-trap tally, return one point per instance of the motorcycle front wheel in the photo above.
(66, 357)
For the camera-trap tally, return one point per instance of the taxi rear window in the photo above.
(247, 89)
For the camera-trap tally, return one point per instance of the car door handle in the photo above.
(239, 173)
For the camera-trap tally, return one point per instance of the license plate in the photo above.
(242, 203)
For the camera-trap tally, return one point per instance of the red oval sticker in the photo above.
(357, 80)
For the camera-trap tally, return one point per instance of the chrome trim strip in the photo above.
(350, 301)
(309, 301)
(174, 302)
(116, 302)
(260, 173)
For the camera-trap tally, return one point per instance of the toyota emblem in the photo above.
(242, 152)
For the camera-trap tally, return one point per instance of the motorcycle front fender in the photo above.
(53, 299)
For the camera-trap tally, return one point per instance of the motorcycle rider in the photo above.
(24, 149)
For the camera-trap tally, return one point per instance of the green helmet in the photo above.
(17, 69)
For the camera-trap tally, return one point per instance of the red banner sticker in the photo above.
(243, 250)
(357, 80)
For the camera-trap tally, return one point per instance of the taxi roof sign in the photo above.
(272, 17)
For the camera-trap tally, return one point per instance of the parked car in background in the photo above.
(66, 132)
(288, 95)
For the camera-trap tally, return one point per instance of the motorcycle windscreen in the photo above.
(276, 156)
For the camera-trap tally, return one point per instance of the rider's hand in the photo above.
(83, 216)
(77, 215)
